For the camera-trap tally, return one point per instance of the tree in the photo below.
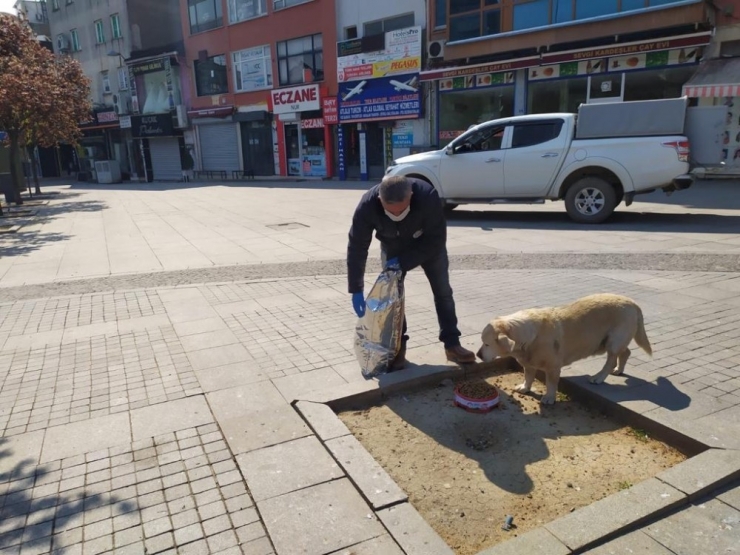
(43, 98)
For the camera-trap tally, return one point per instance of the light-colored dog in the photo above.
(548, 339)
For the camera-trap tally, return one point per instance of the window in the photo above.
(99, 32)
(440, 13)
(301, 60)
(535, 133)
(282, 4)
(465, 27)
(482, 140)
(210, 76)
(350, 32)
(390, 24)
(204, 15)
(55, 5)
(75, 37)
(106, 82)
(122, 79)
(589, 8)
(241, 10)
(115, 26)
(252, 69)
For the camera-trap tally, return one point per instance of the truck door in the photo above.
(537, 151)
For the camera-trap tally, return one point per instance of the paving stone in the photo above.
(259, 546)
(732, 497)
(704, 472)
(228, 376)
(24, 447)
(319, 519)
(222, 541)
(382, 545)
(708, 527)
(218, 356)
(615, 512)
(241, 401)
(170, 417)
(412, 532)
(188, 533)
(365, 472)
(538, 540)
(89, 435)
(298, 385)
(263, 428)
(322, 420)
(287, 467)
(160, 543)
(634, 543)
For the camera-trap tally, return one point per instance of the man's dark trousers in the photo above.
(437, 270)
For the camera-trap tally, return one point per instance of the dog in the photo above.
(548, 339)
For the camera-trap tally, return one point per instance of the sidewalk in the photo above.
(160, 419)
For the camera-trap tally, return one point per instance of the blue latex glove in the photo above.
(392, 264)
(358, 303)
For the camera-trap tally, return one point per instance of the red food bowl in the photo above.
(479, 406)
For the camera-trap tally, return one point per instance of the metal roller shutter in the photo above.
(165, 159)
(219, 147)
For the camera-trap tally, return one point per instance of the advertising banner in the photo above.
(380, 99)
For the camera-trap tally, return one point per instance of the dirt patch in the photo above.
(466, 472)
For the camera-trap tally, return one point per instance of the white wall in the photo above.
(357, 12)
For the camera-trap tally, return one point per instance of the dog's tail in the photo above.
(641, 337)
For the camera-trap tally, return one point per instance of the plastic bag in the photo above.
(380, 331)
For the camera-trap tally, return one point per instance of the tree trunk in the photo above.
(34, 169)
(16, 170)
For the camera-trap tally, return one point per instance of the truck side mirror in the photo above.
(449, 151)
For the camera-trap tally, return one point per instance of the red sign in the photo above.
(312, 123)
(331, 111)
(356, 72)
(295, 99)
(496, 67)
(107, 117)
(626, 49)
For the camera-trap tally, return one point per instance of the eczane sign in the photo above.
(295, 99)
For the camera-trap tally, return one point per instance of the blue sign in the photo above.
(3, 135)
(378, 99)
(340, 149)
(403, 141)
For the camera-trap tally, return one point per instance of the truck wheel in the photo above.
(590, 200)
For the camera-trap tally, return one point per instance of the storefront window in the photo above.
(562, 95)
(301, 60)
(460, 109)
(210, 76)
(253, 69)
(656, 84)
(305, 147)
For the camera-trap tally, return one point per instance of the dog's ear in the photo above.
(520, 331)
(488, 336)
(505, 344)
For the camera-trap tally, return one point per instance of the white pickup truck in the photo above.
(531, 159)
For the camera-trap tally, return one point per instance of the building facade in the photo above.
(381, 104)
(264, 85)
(490, 59)
(132, 51)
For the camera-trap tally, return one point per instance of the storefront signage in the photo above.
(220, 112)
(363, 156)
(312, 123)
(330, 110)
(107, 117)
(340, 154)
(125, 122)
(380, 99)
(149, 67)
(685, 41)
(403, 134)
(480, 81)
(496, 67)
(369, 43)
(295, 99)
(152, 125)
(400, 55)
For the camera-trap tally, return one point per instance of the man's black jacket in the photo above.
(418, 237)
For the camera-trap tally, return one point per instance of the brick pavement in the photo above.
(160, 417)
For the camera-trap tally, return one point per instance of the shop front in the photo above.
(160, 146)
(650, 70)
(303, 137)
(378, 86)
(257, 140)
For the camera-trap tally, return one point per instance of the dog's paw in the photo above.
(617, 372)
(522, 388)
(596, 379)
(547, 400)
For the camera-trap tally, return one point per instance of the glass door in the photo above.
(293, 148)
(605, 88)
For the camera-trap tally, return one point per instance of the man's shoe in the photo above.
(460, 355)
(399, 363)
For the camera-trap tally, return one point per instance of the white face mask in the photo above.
(400, 217)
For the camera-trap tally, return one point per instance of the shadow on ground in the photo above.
(33, 507)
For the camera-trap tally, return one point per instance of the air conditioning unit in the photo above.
(109, 171)
(62, 43)
(181, 120)
(436, 49)
(117, 105)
